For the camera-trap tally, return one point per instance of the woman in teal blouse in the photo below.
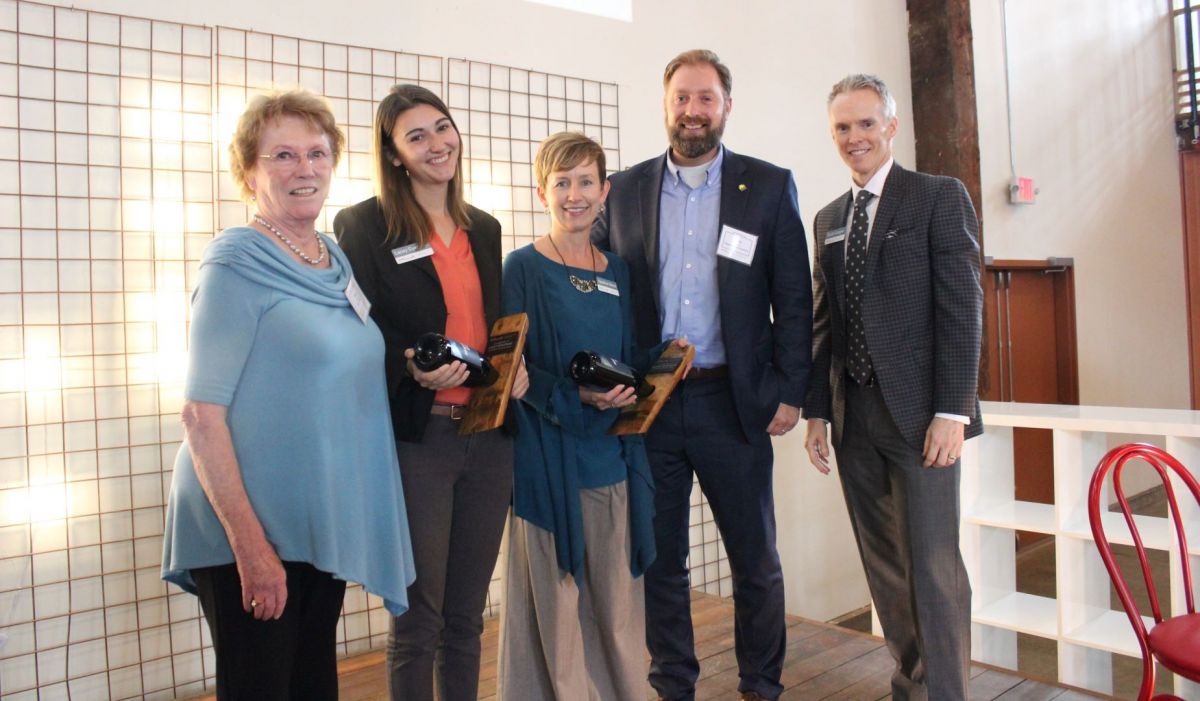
(286, 485)
(580, 535)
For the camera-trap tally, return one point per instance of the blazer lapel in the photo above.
(649, 200)
(894, 189)
(425, 264)
(835, 256)
(733, 207)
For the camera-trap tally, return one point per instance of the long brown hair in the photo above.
(406, 221)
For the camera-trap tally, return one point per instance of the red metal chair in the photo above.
(1173, 642)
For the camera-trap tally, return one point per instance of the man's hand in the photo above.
(682, 342)
(943, 442)
(817, 445)
(786, 418)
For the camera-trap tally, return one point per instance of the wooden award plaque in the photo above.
(664, 374)
(505, 346)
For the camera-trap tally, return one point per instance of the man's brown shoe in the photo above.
(752, 696)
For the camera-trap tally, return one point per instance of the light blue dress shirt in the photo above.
(688, 228)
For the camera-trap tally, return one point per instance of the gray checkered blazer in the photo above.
(922, 309)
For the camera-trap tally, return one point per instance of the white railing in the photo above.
(1080, 619)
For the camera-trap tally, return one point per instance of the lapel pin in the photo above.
(742, 187)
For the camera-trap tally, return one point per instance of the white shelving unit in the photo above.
(1088, 631)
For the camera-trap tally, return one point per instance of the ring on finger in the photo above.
(253, 603)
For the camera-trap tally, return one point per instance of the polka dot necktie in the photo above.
(858, 359)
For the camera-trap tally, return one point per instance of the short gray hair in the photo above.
(865, 81)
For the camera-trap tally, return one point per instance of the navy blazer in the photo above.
(406, 299)
(766, 307)
(922, 305)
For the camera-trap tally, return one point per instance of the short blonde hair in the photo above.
(265, 108)
(564, 151)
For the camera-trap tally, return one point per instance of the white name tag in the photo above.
(607, 286)
(411, 252)
(737, 245)
(835, 235)
(358, 300)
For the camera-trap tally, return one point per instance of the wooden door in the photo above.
(1032, 357)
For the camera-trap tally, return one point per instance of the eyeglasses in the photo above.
(290, 160)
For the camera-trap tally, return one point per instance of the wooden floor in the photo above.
(823, 662)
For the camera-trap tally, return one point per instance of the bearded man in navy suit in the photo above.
(896, 340)
(716, 254)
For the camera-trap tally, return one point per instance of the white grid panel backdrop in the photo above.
(106, 187)
(504, 113)
(113, 134)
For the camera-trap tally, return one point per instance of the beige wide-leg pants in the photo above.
(563, 641)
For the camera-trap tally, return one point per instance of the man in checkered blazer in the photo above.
(896, 335)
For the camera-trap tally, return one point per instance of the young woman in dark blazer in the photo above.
(428, 261)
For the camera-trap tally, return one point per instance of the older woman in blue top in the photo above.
(286, 485)
(580, 535)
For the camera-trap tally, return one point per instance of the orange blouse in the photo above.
(463, 295)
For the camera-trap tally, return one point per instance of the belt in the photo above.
(455, 411)
(707, 373)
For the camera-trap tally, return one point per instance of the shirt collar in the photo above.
(875, 184)
(712, 174)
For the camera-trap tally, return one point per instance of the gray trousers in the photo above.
(566, 641)
(457, 490)
(906, 522)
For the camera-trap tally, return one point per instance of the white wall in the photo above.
(1092, 124)
(784, 56)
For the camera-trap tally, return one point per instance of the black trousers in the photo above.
(293, 658)
(698, 433)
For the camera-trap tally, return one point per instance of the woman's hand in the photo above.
(264, 581)
(615, 398)
(521, 381)
(449, 375)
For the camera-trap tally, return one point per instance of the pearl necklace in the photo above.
(294, 247)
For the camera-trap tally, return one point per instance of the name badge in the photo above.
(835, 235)
(607, 286)
(737, 245)
(411, 252)
(358, 300)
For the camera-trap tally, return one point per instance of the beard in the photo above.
(694, 146)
